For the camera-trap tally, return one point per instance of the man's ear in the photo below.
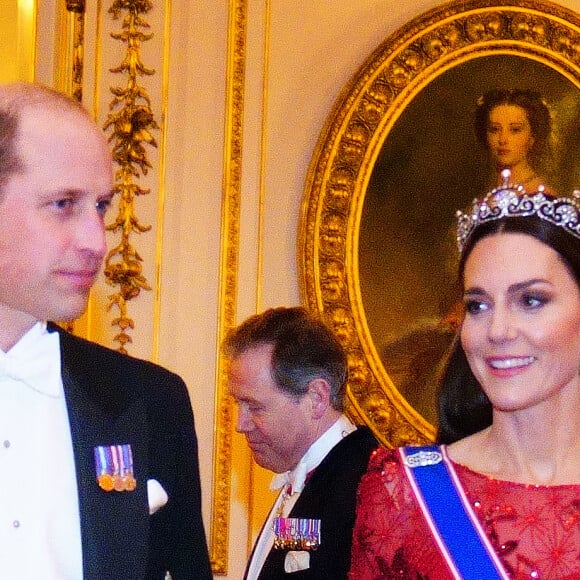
(319, 395)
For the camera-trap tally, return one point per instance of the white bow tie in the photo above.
(35, 361)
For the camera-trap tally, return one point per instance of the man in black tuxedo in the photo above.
(98, 462)
(288, 377)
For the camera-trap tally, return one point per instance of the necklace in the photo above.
(522, 182)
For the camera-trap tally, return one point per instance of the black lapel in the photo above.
(351, 456)
(114, 525)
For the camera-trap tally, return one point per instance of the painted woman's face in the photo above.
(509, 135)
(521, 332)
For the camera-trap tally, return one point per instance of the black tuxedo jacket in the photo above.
(329, 495)
(115, 399)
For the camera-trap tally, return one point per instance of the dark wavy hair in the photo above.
(537, 112)
(463, 407)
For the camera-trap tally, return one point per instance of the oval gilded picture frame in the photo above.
(449, 54)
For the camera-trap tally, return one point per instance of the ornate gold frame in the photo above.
(349, 145)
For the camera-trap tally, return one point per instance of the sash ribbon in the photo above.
(455, 527)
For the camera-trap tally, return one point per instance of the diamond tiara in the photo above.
(510, 200)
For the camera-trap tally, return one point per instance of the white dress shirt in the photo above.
(39, 513)
(297, 480)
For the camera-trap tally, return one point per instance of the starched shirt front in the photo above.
(39, 512)
(294, 482)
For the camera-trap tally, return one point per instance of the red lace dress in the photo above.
(534, 529)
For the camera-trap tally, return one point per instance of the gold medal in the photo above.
(118, 483)
(106, 482)
(114, 467)
(129, 483)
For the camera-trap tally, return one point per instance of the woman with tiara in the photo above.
(500, 497)
(514, 127)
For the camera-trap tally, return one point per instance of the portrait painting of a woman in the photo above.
(514, 126)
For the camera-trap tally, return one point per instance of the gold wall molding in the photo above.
(425, 48)
(131, 121)
(76, 8)
(228, 283)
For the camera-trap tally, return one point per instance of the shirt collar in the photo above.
(314, 456)
(35, 361)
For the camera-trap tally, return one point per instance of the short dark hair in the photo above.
(10, 162)
(304, 349)
(537, 112)
(463, 407)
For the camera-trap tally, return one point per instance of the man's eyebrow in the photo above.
(63, 192)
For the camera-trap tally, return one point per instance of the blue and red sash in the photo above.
(455, 527)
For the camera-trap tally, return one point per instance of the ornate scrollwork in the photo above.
(131, 121)
(343, 161)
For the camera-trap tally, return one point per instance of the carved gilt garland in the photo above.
(131, 121)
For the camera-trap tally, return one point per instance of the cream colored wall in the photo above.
(299, 55)
(17, 28)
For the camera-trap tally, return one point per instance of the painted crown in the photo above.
(512, 200)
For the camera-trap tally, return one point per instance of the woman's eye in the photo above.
(531, 301)
(475, 306)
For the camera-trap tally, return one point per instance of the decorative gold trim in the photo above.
(348, 147)
(161, 196)
(77, 10)
(131, 120)
(228, 284)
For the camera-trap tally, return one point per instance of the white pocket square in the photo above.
(156, 495)
(296, 561)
